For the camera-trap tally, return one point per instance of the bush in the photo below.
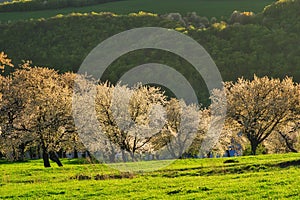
(242, 17)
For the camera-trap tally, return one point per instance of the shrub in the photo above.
(260, 150)
(242, 17)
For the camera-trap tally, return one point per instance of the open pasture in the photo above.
(265, 176)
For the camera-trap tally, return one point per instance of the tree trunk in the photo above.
(55, 158)
(228, 153)
(75, 153)
(92, 158)
(254, 145)
(112, 157)
(31, 153)
(46, 159)
(13, 154)
(208, 155)
(21, 156)
(61, 153)
(156, 156)
(132, 156)
(39, 152)
(123, 156)
(64, 154)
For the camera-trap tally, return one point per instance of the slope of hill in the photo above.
(209, 8)
(263, 47)
(283, 14)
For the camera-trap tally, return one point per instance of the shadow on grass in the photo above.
(123, 175)
(288, 163)
(2, 161)
(229, 167)
(230, 161)
(79, 161)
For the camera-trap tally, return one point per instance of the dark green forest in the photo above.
(267, 43)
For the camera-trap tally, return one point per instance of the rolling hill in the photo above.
(267, 44)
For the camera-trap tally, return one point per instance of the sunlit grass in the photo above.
(247, 178)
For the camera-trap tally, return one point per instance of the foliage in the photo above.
(262, 106)
(35, 111)
(191, 20)
(184, 123)
(130, 118)
(241, 17)
(4, 61)
(59, 37)
(283, 14)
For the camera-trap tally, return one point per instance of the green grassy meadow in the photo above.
(209, 8)
(265, 176)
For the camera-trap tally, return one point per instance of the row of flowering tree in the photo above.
(37, 111)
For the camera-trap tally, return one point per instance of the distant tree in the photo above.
(241, 17)
(176, 17)
(261, 107)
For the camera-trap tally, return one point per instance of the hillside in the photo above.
(284, 15)
(209, 8)
(266, 44)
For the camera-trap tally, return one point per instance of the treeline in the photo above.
(45, 112)
(33, 5)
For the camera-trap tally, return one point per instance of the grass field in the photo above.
(209, 8)
(269, 176)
